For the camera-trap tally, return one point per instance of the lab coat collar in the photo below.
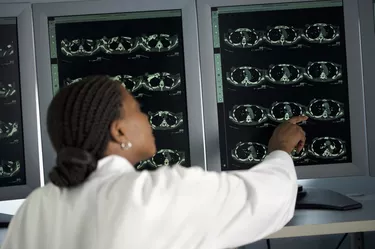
(113, 164)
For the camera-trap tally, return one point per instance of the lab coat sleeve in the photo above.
(224, 210)
(257, 202)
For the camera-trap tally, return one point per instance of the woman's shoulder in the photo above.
(39, 193)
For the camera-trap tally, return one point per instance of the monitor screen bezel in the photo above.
(29, 99)
(367, 24)
(359, 165)
(191, 50)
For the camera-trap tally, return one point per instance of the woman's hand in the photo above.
(288, 136)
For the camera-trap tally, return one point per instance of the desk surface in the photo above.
(324, 222)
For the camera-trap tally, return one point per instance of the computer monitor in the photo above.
(20, 144)
(266, 62)
(151, 48)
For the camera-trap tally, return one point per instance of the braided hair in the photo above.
(78, 123)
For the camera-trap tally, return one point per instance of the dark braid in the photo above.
(78, 122)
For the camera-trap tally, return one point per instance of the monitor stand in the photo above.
(311, 198)
(5, 220)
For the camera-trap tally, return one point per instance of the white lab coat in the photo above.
(171, 208)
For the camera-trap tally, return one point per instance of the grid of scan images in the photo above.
(144, 51)
(12, 170)
(273, 64)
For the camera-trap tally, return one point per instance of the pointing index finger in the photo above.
(297, 119)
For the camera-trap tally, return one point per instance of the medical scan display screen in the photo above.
(144, 51)
(12, 161)
(276, 61)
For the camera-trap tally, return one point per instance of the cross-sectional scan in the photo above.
(274, 65)
(8, 92)
(9, 168)
(159, 42)
(12, 170)
(165, 120)
(119, 45)
(164, 157)
(9, 132)
(324, 148)
(280, 111)
(285, 74)
(161, 81)
(249, 152)
(281, 35)
(155, 82)
(7, 50)
(144, 52)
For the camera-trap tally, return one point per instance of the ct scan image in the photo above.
(272, 65)
(144, 52)
(12, 161)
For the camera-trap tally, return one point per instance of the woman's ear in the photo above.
(117, 131)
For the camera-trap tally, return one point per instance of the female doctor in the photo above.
(97, 200)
